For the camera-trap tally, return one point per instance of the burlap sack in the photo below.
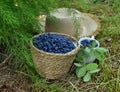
(77, 25)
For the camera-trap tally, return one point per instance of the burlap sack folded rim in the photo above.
(63, 34)
(97, 20)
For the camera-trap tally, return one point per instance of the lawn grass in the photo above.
(108, 79)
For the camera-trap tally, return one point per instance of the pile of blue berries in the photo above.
(53, 43)
(88, 42)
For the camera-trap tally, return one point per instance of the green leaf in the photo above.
(82, 55)
(80, 72)
(101, 50)
(99, 53)
(92, 66)
(100, 56)
(93, 44)
(77, 64)
(87, 77)
(95, 71)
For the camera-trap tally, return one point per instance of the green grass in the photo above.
(108, 80)
(18, 23)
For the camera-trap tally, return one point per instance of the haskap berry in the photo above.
(53, 43)
(88, 42)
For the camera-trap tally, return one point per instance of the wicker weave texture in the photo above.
(53, 66)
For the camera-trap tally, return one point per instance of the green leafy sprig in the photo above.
(86, 70)
(84, 67)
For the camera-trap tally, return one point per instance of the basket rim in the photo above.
(48, 53)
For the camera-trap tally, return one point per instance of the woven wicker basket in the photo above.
(51, 65)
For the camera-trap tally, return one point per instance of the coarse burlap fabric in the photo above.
(51, 65)
(89, 26)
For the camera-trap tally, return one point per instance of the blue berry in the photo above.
(53, 43)
(88, 42)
